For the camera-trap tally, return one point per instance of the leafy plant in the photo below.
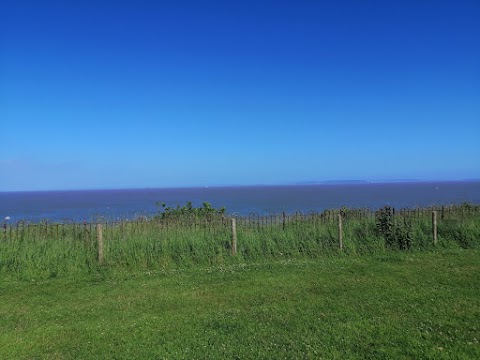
(188, 210)
(395, 235)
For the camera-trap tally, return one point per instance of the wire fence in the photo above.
(148, 242)
(213, 222)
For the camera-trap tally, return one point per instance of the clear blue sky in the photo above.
(113, 94)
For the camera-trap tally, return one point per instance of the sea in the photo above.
(112, 205)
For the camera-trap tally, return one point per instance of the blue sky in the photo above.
(119, 94)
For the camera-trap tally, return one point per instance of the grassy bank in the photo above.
(190, 237)
(394, 305)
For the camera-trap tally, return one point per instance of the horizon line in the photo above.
(296, 183)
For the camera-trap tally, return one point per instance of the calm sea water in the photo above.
(113, 204)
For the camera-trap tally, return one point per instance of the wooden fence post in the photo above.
(234, 236)
(434, 227)
(283, 220)
(340, 231)
(100, 243)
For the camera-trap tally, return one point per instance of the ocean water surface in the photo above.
(87, 205)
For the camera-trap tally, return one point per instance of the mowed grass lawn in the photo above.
(395, 306)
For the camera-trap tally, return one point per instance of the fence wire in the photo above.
(209, 238)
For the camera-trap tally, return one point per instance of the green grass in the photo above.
(46, 251)
(394, 305)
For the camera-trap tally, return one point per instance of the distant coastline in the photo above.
(381, 181)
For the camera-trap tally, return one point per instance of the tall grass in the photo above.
(50, 250)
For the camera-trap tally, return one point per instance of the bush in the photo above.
(396, 236)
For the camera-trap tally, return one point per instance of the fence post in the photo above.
(283, 220)
(340, 231)
(434, 227)
(100, 243)
(234, 236)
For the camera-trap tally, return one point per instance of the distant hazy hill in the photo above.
(346, 182)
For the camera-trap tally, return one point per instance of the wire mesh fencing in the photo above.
(190, 239)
